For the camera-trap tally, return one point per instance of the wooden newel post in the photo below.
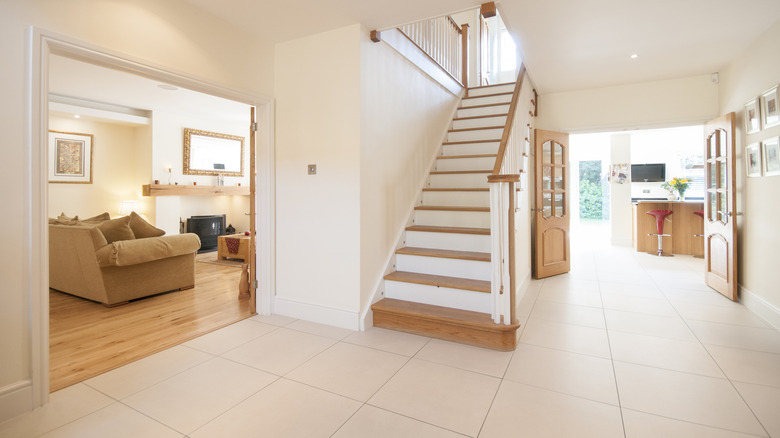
(464, 47)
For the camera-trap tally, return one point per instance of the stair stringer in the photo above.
(366, 315)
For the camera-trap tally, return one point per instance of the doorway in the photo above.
(43, 45)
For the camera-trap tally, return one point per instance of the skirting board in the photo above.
(15, 399)
(316, 313)
(760, 307)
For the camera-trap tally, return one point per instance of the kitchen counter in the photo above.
(684, 226)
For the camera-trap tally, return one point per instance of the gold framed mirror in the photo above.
(212, 153)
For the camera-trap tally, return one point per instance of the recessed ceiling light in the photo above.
(634, 56)
(168, 87)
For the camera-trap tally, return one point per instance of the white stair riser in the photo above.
(452, 241)
(439, 218)
(506, 88)
(490, 147)
(457, 199)
(488, 110)
(481, 163)
(468, 180)
(480, 134)
(502, 98)
(438, 296)
(479, 123)
(472, 269)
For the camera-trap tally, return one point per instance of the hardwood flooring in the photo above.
(87, 339)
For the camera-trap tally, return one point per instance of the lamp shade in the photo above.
(127, 207)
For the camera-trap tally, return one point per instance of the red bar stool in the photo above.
(699, 213)
(660, 216)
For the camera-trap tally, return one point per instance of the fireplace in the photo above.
(208, 228)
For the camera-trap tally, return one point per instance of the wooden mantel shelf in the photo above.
(189, 190)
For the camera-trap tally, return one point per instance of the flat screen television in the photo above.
(655, 172)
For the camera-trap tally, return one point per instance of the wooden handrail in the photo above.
(510, 118)
(464, 57)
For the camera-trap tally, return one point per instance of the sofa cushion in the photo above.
(133, 252)
(117, 229)
(142, 229)
(64, 220)
(99, 218)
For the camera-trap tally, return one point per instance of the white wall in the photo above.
(404, 117)
(116, 170)
(172, 34)
(757, 70)
(318, 216)
(168, 137)
(673, 102)
(620, 194)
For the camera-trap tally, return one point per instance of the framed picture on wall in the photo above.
(752, 116)
(753, 159)
(70, 157)
(772, 156)
(770, 107)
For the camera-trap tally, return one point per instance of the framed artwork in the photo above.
(772, 156)
(770, 107)
(70, 157)
(752, 116)
(753, 159)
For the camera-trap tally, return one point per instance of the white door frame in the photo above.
(41, 44)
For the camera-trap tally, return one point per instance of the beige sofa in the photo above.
(104, 261)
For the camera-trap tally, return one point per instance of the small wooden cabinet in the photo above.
(684, 226)
(243, 248)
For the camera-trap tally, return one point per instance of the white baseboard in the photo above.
(316, 313)
(15, 399)
(760, 306)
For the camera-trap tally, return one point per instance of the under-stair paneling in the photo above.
(460, 242)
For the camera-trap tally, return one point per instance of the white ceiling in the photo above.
(567, 44)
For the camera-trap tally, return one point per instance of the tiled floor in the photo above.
(626, 345)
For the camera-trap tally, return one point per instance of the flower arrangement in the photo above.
(679, 184)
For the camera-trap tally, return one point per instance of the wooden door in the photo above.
(720, 226)
(551, 250)
(252, 211)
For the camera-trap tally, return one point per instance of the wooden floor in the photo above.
(87, 339)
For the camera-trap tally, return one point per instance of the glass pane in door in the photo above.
(547, 153)
(546, 205)
(546, 178)
(558, 158)
(713, 201)
(559, 204)
(559, 178)
(712, 182)
(722, 174)
(723, 207)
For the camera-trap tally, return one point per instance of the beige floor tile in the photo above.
(479, 360)
(748, 338)
(446, 397)
(627, 303)
(688, 296)
(285, 409)
(672, 327)
(641, 425)
(388, 340)
(646, 289)
(327, 331)
(720, 314)
(569, 314)
(628, 277)
(143, 373)
(764, 401)
(116, 421)
(567, 337)
(65, 406)
(349, 370)
(277, 320)
(688, 397)
(280, 351)
(570, 373)
(378, 423)
(747, 365)
(522, 410)
(230, 337)
(571, 296)
(192, 398)
(670, 354)
(556, 283)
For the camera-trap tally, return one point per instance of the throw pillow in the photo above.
(99, 218)
(142, 229)
(117, 229)
(64, 220)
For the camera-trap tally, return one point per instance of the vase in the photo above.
(682, 196)
(671, 197)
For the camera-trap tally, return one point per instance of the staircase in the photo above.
(441, 286)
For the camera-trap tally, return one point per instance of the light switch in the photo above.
(312, 169)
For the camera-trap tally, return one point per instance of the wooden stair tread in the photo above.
(445, 253)
(444, 314)
(454, 230)
(480, 117)
(450, 157)
(440, 281)
(451, 208)
(472, 141)
(490, 86)
(482, 128)
(490, 95)
(459, 172)
(483, 105)
(455, 189)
